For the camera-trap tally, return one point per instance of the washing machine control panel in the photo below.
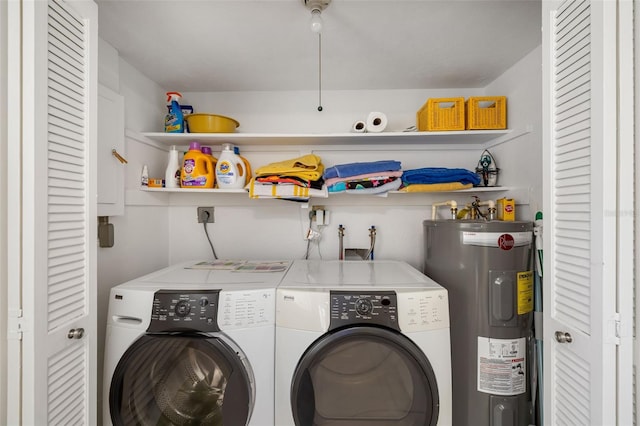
(371, 307)
(184, 311)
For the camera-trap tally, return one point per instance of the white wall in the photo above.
(141, 237)
(274, 229)
(520, 160)
(296, 111)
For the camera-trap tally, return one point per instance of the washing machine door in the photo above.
(178, 379)
(364, 375)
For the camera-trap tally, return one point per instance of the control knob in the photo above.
(182, 308)
(364, 306)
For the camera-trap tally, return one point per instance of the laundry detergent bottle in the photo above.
(174, 120)
(247, 165)
(173, 170)
(197, 169)
(230, 169)
(206, 150)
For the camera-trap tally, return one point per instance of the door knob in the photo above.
(563, 337)
(76, 333)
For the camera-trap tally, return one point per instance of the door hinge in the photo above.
(616, 331)
(15, 324)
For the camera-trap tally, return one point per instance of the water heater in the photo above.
(487, 268)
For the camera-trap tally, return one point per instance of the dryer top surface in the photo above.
(194, 275)
(378, 274)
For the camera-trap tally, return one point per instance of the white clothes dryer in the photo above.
(192, 346)
(361, 343)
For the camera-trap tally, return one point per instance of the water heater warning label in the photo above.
(502, 366)
(525, 292)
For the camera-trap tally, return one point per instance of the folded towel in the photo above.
(369, 183)
(337, 187)
(295, 180)
(284, 191)
(379, 175)
(343, 187)
(434, 187)
(353, 169)
(429, 175)
(307, 167)
(391, 186)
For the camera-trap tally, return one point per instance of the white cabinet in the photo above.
(111, 141)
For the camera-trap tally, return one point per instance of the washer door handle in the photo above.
(75, 333)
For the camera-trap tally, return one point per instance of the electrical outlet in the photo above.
(320, 215)
(205, 215)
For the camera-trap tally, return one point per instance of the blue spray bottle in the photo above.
(174, 120)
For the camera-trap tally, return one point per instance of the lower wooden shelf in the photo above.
(245, 191)
(196, 190)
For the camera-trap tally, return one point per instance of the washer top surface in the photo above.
(336, 274)
(224, 275)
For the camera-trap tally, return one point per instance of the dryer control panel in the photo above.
(194, 311)
(371, 307)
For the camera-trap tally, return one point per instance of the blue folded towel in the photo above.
(354, 169)
(428, 175)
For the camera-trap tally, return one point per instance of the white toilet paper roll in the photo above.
(376, 122)
(359, 127)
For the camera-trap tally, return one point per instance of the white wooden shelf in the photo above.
(244, 191)
(467, 137)
(452, 139)
(195, 190)
(471, 190)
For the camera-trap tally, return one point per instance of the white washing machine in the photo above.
(361, 343)
(192, 346)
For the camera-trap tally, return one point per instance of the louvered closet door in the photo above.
(59, 212)
(579, 88)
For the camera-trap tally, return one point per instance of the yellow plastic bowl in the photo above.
(210, 123)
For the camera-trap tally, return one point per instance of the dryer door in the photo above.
(181, 379)
(364, 375)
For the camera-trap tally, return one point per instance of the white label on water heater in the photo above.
(502, 366)
(503, 240)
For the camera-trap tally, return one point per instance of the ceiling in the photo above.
(267, 45)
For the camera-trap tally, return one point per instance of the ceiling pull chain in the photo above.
(319, 72)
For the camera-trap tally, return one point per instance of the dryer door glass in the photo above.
(364, 375)
(166, 379)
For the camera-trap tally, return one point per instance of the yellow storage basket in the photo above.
(441, 114)
(486, 112)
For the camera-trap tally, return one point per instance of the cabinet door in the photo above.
(110, 137)
(582, 279)
(55, 269)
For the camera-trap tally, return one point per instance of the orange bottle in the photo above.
(247, 165)
(206, 150)
(197, 169)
